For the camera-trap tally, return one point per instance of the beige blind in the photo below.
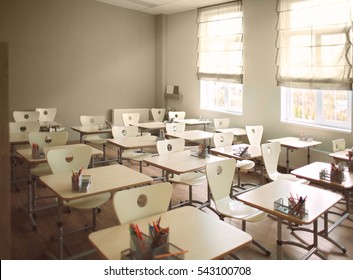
(314, 44)
(220, 42)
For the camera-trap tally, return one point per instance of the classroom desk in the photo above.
(181, 162)
(148, 126)
(127, 143)
(46, 125)
(318, 202)
(194, 122)
(192, 135)
(311, 172)
(204, 237)
(293, 143)
(340, 155)
(90, 129)
(233, 151)
(110, 178)
(26, 156)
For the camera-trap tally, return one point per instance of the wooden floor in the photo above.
(35, 245)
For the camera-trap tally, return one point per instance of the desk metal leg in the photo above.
(287, 160)
(308, 155)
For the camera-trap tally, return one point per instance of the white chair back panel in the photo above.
(92, 120)
(174, 127)
(124, 131)
(130, 118)
(220, 177)
(26, 116)
(140, 202)
(46, 114)
(48, 139)
(338, 145)
(254, 134)
(23, 127)
(158, 114)
(70, 158)
(270, 155)
(176, 115)
(223, 139)
(170, 146)
(221, 123)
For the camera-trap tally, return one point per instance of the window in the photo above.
(220, 57)
(314, 61)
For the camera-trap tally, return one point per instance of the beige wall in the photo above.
(81, 56)
(261, 95)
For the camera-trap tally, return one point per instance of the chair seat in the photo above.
(235, 209)
(41, 170)
(96, 141)
(89, 202)
(135, 155)
(245, 164)
(190, 178)
(288, 177)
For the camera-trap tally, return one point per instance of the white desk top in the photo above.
(294, 142)
(202, 235)
(232, 151)
(26, 154)
(151, 125)
(180, 162)
(341, 155)
(108, 178)
(318, 201)
(193, 121)
(191, 135)
(236, 131)
(133, 142)
(44, 124)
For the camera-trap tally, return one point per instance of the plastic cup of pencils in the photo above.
(76, 181)
(140, 247)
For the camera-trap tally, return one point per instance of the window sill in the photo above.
(319, 127)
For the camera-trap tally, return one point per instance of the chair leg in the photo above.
(267, 252)
(190, 194)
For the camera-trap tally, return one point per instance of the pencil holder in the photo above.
(35, 150)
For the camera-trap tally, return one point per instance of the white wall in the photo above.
(83, 57)
(261, 94)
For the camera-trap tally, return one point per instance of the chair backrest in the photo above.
(221, 123)
(174, 127)
(176, 115)
(136, 203)
(220, 177)
(25, 116)
(46, 114)
(158, 114)
(254, 134)
(170, 146)
(70, 158)
(23, 127)
(130, 118)
(223, 139)
(124, 131)
(270, 155)
(92, 120)
(48, 139)
(338, 145)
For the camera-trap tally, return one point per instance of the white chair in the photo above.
(176, 115)
(136, 203)
(130, 118)
(98, 139)
(46, 114)
(79, 157)
(220, 176)
(190, 178)
(254, 134)
(26, 116)
(21, 129)
(132, 154)
(270, 155)
(338, 145)
(44, 139)
(221, 123)
(158, 114)
(225, 139)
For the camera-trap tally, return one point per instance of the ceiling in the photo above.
(166, 7)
